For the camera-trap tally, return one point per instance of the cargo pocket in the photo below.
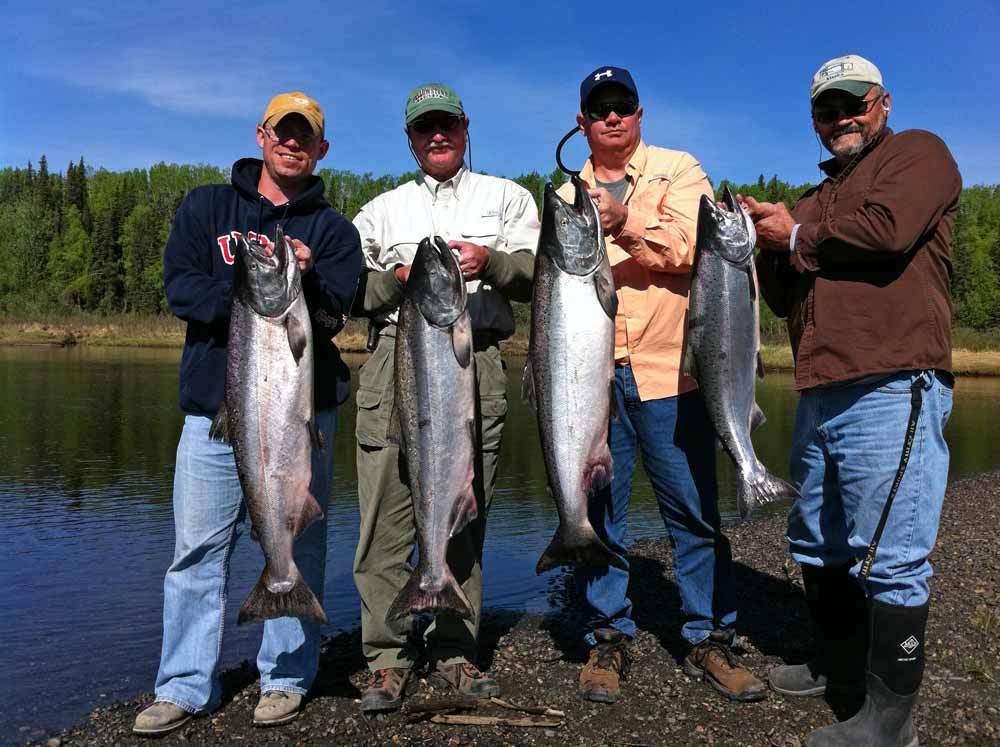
(375, 397)
(492, 382)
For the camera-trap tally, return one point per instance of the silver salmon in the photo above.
(570, 371)
(268, 418)
(723, 343)
(436, 409)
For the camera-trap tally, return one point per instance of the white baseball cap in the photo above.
(851, 73)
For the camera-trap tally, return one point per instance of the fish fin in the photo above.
(314, 435)
(264, 604)
(751, 495)
(598, 472)
(690, 365)
(760, 366)
(578, 546)
(612, 400)
(219, 430)
(528, 385)
(753, 282)
(254, 533)
(422, 594)
(604, 283)
(310, 512)
(296, 336)
(461, 340)
(466, 510)
(394, 431)
(757, 417)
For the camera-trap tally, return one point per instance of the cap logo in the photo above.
(430, 93)
(606, 74)
(909, 645)
(837, 70)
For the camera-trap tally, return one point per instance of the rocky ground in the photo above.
(537, 662)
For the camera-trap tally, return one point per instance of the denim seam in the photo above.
(180, 703)
(282, 689)
(921, 445)
(230, 545)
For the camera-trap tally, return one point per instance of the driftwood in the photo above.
(462, 720)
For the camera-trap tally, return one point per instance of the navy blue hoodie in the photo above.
(198, 277)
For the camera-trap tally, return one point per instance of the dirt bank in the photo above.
(537, 661)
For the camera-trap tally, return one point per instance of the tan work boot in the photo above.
(386, 691)
(714, 661)
(276, 707)
(160, 718)
(608, 664)
(471, 683)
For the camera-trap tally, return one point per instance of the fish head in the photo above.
(267, 282)
(726, 231)
(435, 283)
(571, 234)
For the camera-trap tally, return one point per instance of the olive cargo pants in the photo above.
(388, 528)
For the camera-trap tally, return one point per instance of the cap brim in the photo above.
(280, 114)
(433, 105)
(854, 87)
(623, 86)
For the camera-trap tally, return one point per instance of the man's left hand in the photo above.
(773, 223)
(302, 254)
(472, 258)
(612, 213)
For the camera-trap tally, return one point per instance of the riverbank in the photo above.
(974, 353)
(537, 660)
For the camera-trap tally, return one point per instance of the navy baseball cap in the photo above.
(606, 74)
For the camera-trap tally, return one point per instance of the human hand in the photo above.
(472, 258)
(302, 254)
(611, 212)
(772, 222)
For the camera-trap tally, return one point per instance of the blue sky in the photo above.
(131, 84)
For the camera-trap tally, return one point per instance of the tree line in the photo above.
(92, 239)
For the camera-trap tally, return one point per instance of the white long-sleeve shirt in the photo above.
(487, 210)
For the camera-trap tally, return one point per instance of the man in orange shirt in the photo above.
(647, 198)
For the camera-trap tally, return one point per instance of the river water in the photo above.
(87, 442)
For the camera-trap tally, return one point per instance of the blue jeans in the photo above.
(209, 515)
(845, 453)
(678, 450)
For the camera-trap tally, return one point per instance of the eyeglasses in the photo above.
(427, 125)
(856, 108)
(623, 108)
(304, 139)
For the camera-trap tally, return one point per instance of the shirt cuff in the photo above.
(791, 239)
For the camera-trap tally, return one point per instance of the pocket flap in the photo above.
(369, 399)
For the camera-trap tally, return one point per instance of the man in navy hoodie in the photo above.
(209, 514)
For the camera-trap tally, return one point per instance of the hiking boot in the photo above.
(608, 664)
(713, 660)
(386, 691)
(276, 707)
(471, 683)
(160, 718)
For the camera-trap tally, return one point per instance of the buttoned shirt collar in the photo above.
(433, 186)
(635, 167)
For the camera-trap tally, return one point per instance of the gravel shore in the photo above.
(537, 660)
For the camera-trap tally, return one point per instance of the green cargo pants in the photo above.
(388, 528)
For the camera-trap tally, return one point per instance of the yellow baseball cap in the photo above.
(295, 102)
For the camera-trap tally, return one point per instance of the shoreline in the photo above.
(537, 658)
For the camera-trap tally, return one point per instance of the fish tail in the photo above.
(579, 546)
(423, 595)
(750, 495)
(264, 604)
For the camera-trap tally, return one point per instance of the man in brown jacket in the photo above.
(861, 269)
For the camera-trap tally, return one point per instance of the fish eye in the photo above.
(564, 221)
(253, 265)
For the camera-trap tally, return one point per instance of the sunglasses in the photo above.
(623, 108)
(304, 139)
(857, 108)
(436, 124)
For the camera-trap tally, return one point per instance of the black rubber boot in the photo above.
(837, 607)
(895, 669)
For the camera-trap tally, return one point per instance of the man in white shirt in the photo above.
(492, 224)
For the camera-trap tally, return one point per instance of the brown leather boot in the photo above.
(467, 679)
(608, 664)
(713, 660)
(386, 691)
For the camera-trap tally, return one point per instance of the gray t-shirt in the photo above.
(617, 189)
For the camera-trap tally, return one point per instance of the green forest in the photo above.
(88, 239)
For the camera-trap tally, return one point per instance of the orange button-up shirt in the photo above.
(651, 261)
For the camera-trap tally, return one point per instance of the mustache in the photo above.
(848, 130)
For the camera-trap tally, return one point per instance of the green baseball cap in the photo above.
(432, 97)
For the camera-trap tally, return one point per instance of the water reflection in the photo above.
(88, 439)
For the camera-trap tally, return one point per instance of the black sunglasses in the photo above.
(436, 124)
(623, 108)
(856, 108)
